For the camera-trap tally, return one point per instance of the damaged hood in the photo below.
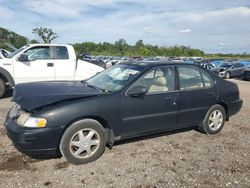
(38, 94)
(219, 69)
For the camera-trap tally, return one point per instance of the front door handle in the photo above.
(171, 97)
(50, 64)
(211, 94)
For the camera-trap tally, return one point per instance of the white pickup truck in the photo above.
(43, 62)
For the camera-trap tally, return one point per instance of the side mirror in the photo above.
(137, 91)
(23, 58)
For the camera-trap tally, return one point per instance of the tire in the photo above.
(227, 75)
(210, 127)
(2, 88)
(83, 142)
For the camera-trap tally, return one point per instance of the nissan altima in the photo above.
(79, 119)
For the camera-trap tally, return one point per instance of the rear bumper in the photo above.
(235, 106)
(34, 141)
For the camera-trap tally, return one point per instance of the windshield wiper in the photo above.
(96, 88)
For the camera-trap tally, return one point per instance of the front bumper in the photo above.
(235, 106)
(34, 141)
(246, 75)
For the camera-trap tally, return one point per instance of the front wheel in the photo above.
(83, 142)
(2, 88)
(214, 120)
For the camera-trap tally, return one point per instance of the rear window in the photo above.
(62, 52)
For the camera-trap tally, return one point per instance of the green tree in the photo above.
(11, 38)
(139, 44)
(46, 34)
(121, 46)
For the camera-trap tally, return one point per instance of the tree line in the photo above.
(122, 48)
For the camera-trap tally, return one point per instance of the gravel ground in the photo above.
(184, 159)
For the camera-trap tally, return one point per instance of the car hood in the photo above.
(34, 95)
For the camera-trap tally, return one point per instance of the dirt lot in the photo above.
(186, 159)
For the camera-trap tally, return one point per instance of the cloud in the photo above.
(185, 30)
(158, 22)
(6, 13)
(148, 30)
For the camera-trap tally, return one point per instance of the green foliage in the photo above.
(121, 48)
(12, 38)
(45, 34)
(33, 41)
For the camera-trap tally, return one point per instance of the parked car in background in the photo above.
(99, 61)
(79, 119)
(43, 62)
(246, 73)
(229, 69)
(3, 53)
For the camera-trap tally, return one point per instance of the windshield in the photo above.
(226, 65)
(115, 78)
(17, 51)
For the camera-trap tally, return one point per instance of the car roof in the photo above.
(155, 63)
(42, 44)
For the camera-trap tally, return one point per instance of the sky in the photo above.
(214, 26)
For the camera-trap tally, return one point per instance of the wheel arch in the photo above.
(108, 130)
(5, 75)
(225, 106)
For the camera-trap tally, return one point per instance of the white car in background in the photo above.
(43, 62)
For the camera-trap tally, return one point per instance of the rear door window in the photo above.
(189, 78)
(62, 52)
(207, 79)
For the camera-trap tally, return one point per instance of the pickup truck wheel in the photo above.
(214, 120)
(227, 75)
(83, 142)
(2, 88)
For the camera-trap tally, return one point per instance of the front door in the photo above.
(39, 66)
(237, 69)
(154, 111)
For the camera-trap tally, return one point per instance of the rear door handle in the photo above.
(50, 64)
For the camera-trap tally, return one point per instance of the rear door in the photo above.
(64, 65)
(39, 66)
(197, 92)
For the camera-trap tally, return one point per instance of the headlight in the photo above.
(35, 122)
(27, 121)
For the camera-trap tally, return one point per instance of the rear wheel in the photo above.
(83, 142)
(227, 75)
(214, 120)
(2, 88)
